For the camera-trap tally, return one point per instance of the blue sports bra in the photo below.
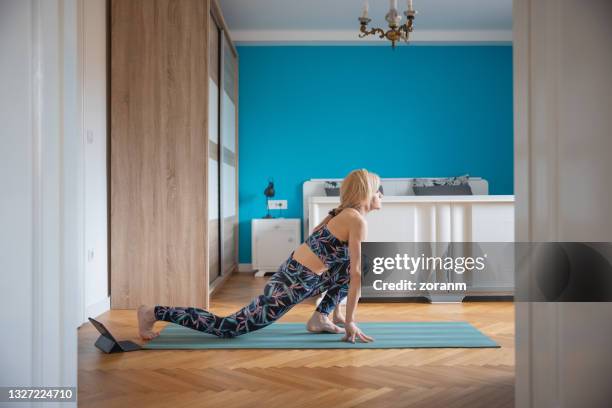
(327, 247)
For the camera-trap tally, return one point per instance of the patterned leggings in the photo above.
(292, 283)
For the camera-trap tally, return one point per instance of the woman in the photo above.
(321, 264)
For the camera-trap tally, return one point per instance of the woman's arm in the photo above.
(357, 233)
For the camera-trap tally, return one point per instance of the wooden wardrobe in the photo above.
(173, 152)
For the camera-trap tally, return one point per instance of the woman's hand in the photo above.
(353, 332)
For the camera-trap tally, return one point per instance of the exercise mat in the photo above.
(387, 335)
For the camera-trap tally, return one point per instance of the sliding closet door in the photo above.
(229, 157)
(214, 249)
(159, 146)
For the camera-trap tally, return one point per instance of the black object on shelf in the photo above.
(107, 343)
(269, 193)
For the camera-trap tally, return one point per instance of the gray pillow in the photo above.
(332, 188)
(445, 186)
(462, 189)
(332, 192)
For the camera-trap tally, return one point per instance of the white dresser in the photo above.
(272, 240)
(475, 218)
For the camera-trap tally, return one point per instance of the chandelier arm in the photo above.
(406, 30)
(380, 31)
(373, 31)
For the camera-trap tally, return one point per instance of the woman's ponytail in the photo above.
(334, 211)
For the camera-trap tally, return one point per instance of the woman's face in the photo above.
(376, 201)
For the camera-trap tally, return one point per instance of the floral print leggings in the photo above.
(292, 283)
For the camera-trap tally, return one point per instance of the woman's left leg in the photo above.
(291, 284)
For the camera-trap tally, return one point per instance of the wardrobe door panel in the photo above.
(229, 157)
(214, 266)
(158, 153)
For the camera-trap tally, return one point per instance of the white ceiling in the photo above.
(265, 21)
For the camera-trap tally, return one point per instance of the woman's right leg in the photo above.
(335, 284)
(291, 284)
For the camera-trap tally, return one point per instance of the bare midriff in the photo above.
(304, 255)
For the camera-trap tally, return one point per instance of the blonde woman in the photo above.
(321, 264)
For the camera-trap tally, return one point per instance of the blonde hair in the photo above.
(358, 186)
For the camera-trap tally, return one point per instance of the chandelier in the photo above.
(396, 31)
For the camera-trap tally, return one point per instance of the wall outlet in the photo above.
(277, 204)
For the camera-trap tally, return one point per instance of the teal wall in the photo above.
(417, 111)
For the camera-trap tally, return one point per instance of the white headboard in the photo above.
(391, 186)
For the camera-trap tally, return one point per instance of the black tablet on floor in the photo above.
(107, 343)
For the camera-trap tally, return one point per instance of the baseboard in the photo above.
(96, 309)
(245, 267)
(217, 283)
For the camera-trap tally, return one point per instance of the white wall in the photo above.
(16, 181)
(563, 168)
(41, 197)
(93, 36)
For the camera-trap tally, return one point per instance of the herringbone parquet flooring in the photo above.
(305, 378)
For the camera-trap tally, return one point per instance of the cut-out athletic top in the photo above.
(327, 247)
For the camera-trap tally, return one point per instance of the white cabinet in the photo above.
(476, 218)
(272, 240)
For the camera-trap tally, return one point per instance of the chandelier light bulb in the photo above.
(393, 17)
(365, 9)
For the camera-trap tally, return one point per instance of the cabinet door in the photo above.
(228, 156)
(273, 244)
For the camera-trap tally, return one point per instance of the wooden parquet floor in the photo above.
(305, 378)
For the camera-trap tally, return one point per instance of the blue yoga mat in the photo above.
(386, 335)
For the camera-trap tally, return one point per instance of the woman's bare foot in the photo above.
(146, 320)
(319, 323)
(338, 316)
